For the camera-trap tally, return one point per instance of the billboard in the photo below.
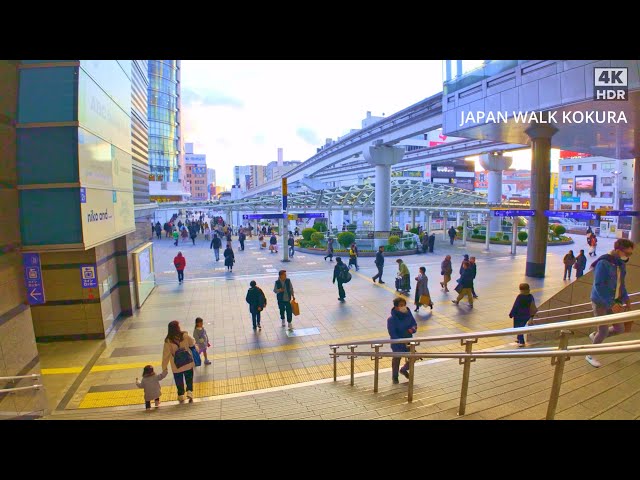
(585, 183)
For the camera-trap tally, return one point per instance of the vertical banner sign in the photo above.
(88, 276)
(284, 194)
(33, 278)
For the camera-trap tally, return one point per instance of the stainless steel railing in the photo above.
(16, 378)
(559, 355)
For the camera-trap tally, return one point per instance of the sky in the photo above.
(239, 112)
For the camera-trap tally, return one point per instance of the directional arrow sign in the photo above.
(33, 278)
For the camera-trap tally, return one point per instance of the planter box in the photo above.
(323, 251)
(518, 243)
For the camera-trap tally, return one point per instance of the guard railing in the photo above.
(17, 378)
(559, 355)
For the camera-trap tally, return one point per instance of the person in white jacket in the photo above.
(176, 350)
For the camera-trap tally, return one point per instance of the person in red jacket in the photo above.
(180, 262)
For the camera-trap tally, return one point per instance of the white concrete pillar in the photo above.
(495, 164)
(413, 218)
(457, 219)
(428, 229)
(464, 230)
(488, 235)
(445, 218)
(514, 234)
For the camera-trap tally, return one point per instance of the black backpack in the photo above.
(182, 356)
(344, 275)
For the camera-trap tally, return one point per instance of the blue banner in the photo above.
(513, 213)
(310, 215)
(259, 216)
(33, 278)
(571, 214)
(88, 275)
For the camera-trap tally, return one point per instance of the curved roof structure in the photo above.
(405, 193)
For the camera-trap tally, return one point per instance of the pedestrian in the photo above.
(184, 235)
(180, 263)
(202, 339)
(283, 288)
(297, 232)
(291, 243)
(342, 275)
(353, 256)
(329, 250)
(167, 229)
(465, 284)
(446, 270)
(422, 297)
(400, 324)
(474, 270)
(581, 264)
(592, 241)
(263, 244)
(465, 258)
(207, 232)
(151, 385)
(569, 260)
(609, 292)
(216, 243)
(425, 243)
(452, 234)
(403, 282)
(589, 231)
(379, 264)
(523, 309)
(193, 232)
(273, 243)
(432, 242)
(229, 258)
(176, 235)
(177, 351)
(158, 230)
(241, 238)
(257, 303)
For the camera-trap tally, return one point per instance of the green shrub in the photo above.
(559, 230)
(415, 230)
(307, 232)
(505, 237)
(393, 240)
(477, 236)
(497, 236)
(408, 243)
(390, 248)
(564, 238)
(352, 227)
(317, 238)
(522, 236)
(459, 228)
(396, 231)
(320, 227)
(476, 231)
(306, 243)
(346, 239)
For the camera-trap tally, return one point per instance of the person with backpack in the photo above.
(257, 302)
(379, 264)
(241, 238)
(523, 309)
(452, 234)
(342, 275)
(216, 243)
(283, 288)
(273, 243)
(177, 351)
(180, 263)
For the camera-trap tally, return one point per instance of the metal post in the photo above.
(413, 218)
(353, 362)
(468, 345)
(335, 364)
(464, 230)
(445, 218)
(457, 219)
(487, 240)
(428, 229)
(514, 234)
(376, 367)
(285, 238)
(557, 375)
(412, 350)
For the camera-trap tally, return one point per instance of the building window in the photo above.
(567, 168)
(606, 194)
(607, 167)
(607, 181)
(579, 167)
(594, 166)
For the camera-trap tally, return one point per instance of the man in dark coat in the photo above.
(452, 234)
(379, 264)
(432, 241)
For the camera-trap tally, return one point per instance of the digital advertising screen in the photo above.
(585, 183)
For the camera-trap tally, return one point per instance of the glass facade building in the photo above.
(164, 120)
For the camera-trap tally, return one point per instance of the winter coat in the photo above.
(151, 385)
(170, 349)
(216, 242)
(330, 246)
(521, 309)
(229, 257)
(422, 285)
(398, 326)
(273, 240)
(180, 262)
(569, 260)
(256, 299)
(466, 278)
(605, 281)
(379, 259)
(446, 268)
(581, 263)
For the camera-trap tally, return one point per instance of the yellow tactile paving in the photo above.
(61, 371)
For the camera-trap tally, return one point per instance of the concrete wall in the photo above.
(18, 350)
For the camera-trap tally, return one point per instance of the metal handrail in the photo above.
(549, 327)
(33, 376)
(12, 390)
(559, 355)
(577, 305)
(570, 313)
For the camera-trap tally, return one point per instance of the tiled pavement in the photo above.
(102, 373)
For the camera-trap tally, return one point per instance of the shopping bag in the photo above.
(424, 300)
(196, 356)
(295, 308)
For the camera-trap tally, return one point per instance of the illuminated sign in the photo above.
(513, 213)
(571, 214)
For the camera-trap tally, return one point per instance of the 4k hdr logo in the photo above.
(611, 84)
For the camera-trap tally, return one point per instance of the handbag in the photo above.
(196, 356)
(424, 300)
(295, 308)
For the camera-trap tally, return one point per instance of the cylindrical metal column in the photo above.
(488, 235)
(428, 229)
(464, 230)
(540, 185)
(413, 218)
(514, 234)
(445, 218)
